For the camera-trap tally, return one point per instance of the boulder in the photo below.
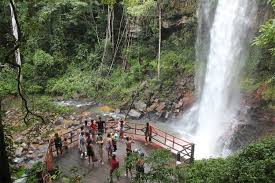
(135, 114)
(24, 146)
(179, 104)
(59, 121)
(152, 107)
(40, 155)
(18, 151)
(30, 157)
(161, 107)
(21, 180)
(20, 139)
(167, 114)
(117, 111)
(140, 105)
(72, 117)
(18, 160)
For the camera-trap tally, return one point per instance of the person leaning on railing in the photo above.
(148, 132)
(58, 143)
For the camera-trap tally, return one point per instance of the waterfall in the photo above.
(15, 34)
(221, 52)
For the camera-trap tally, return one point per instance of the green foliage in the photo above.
(137, 9)
(110, 3)
(8, 83)
(63, 44)
(272, 2)
(10, 149)
(19, 172)
(157, 160)
(267, 36)
(33, 173)
(255, 163)
(259, 70)
(211, 170)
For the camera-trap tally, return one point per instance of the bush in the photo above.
(255, 163)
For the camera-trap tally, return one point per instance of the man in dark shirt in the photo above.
(100, 126)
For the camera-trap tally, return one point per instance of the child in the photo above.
(58, 143)
(114, 141)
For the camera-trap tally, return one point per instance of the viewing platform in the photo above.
(70, 163)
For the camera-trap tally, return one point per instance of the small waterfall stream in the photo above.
(218, 94)
(15, 34)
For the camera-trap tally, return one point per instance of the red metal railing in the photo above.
(177, 146)
(159, 137)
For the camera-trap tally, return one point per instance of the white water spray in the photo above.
(218, 102)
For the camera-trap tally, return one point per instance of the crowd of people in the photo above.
(95, 133)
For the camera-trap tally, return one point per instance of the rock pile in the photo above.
(161, 110)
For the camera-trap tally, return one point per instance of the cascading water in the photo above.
(218, 95)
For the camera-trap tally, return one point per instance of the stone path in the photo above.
(99, 173)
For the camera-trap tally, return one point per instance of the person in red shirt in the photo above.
(114, 165)
(93, 129)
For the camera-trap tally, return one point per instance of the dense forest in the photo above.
(118, 52)
(105, 50)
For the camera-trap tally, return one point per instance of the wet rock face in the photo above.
(253, 122)
(155, 109)
(140, 105)
(134, 114)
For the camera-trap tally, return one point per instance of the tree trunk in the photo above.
(159, 9)
(5, 175)
(112, 31)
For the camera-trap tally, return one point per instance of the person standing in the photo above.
(121, 129)
(86, 127)
(140, 167)
(100, 143)
(82, 145)
(115, 139)
(129, 142)
(93, 129)
(109, 146)
(148, 132)
(114, 165)
(58, 143)
(129, 164)
(90, 152)
(100, 126)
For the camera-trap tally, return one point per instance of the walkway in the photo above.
(99, 173)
